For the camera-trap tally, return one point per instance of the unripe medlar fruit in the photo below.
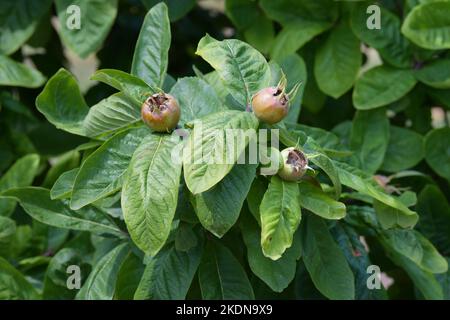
(160, 112)
(295, 164)
(271, 105)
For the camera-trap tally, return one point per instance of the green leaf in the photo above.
(37, 203)
(218, 208)
(289, 40)
(338, 61)
(390, 217)
(315, 200)
(276, 274)
(286, 11)
(102, 173)
(444, 280)
(437, 151)
(230, 58)
(62, 104)
(18, 21)
(404, 151)
(210, 152)
(363, 183)
(101, 283)
(17, 74)
(177, 8)
(280, 217)
(327, 165)
(13, 285)
(168, 275)
(417, 248)
(435, 74)
(388, 40)
(261, 34)
(434, 220)
(196, 99)
(358, 259)
(152, 48)
(128, 278)
(380, 86)
(325, 261)
(424, 281)
(63, 186)
(369, 138)
(130, 85)
(111, 114)
(56, 276)
(97, 18)
(150, 192)
(221, 276)
(428, 25)
(21, 174)
(243, 13)
(7, 235)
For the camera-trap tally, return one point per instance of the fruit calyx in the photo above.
(160, 112)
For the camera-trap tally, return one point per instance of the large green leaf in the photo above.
(96, 19)
(196, 98)
(415, 247)
(358, 259)
(280, 217)
(177, 8)
(290, 40)
(435, 74)
(7, 235)
(152, 48)
(363, 183)
(101, 283)
(369, 138)
(62, 104)
(168, 275)
(388, 40)
(64, 184)
(428, 25)
(231, 60)
(211, 153)
(150, 192)
(102, 173)
(404, 151)
(390, 217)
(338, 61)
(286, 11)
(276, 274)
(56, 276)
(382, 85)
(13, 285)
(130, 85)
(17, 74)
(315, 200)
(111, 114)
(221, 276)
(434, 220)
(218, 208)
(327, 165)
(437, 151)
(129, 276)
(21, 174)
(325, 261)
(37, 203)
(18, 21)
(424, 281)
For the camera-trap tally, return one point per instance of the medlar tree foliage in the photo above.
(142, 226)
